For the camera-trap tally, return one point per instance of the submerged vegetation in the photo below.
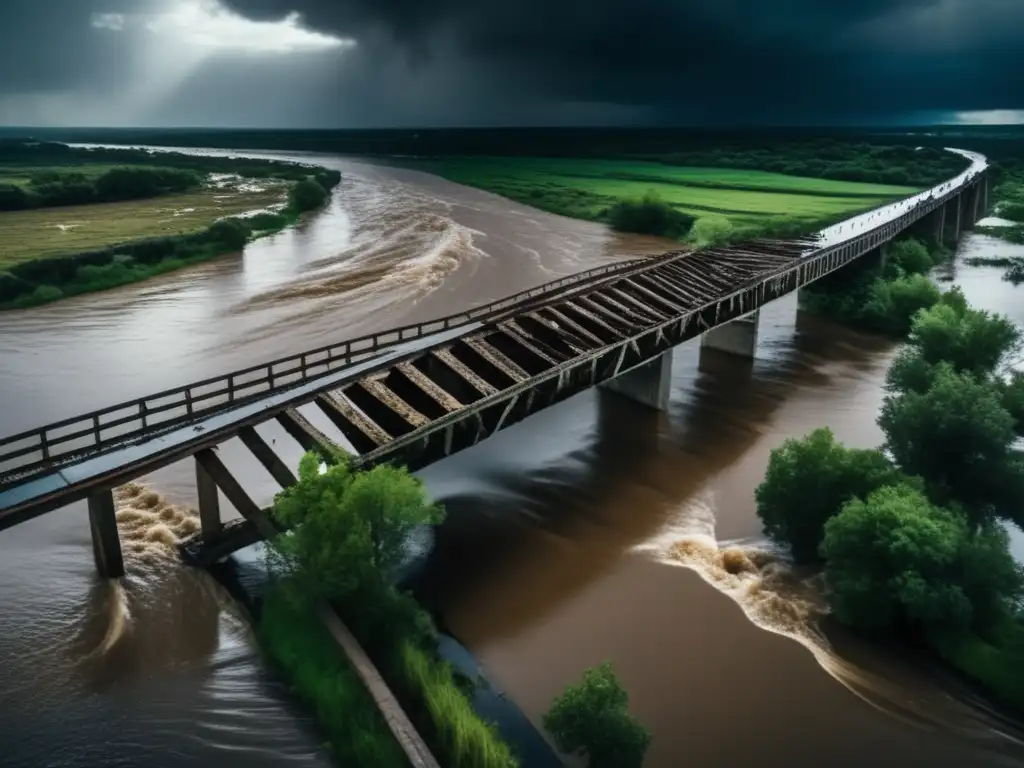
(144, 227)
(911, 539)
(347, 535)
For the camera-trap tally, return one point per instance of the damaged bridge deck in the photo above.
(415, 402)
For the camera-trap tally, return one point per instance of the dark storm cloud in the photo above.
(437, 62)
(50, 45)
(705, 58)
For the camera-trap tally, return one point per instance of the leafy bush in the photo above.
(896, 563)
(709, 230)
(593, 716)
(807, 483)
(957, 436)
(306, 195)
(911, 256)
(893, 304)
(233, 233)
(649, 216)
(347, 532)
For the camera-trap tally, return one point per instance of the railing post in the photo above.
(96, 428)
(188, 401)
(106, 545)
(44, 445)
(231, 388)
(142, 412)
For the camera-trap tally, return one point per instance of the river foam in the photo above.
(790, 601)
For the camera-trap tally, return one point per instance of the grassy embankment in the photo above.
(348, 530)
(149, 219)
(725, 204)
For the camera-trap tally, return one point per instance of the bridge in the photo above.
(417, 394)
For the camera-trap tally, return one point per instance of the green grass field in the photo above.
(32, 234)
(585, 188)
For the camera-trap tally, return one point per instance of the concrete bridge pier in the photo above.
(649, 384)
(939, 223)
(738, 337)
(955, 218)
(106, 544)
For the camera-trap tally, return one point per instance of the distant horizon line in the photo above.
(722, 127)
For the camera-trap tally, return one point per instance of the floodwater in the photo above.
(596, 531)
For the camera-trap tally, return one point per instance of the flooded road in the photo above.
(593, 532)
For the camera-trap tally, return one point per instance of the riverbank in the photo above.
(55, 249)
(964, 602)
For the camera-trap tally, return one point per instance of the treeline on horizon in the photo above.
(138, 174)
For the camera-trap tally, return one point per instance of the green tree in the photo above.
(649, 216)
(892, 305)
(348, 530)
(232, 233)
(306, 195)
(957, 437)
(593, 716)
(911, 256)
(393, 503)
(970, 340)
(896, 563)
(710, 229)
(808, 481)
(1013, 399)
(328, 545)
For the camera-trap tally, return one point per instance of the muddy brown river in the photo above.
(594, 531)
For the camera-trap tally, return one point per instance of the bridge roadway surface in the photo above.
(455, 382)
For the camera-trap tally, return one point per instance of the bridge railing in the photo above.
(23, 453)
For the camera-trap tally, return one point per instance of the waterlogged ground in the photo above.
(41, 232)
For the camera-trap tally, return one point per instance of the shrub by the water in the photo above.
(649, 216)
(306, 195)
(347, 535)
(808, 481)
(593, 717)
(897, 563)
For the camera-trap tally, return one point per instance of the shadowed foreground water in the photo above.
(594, 531)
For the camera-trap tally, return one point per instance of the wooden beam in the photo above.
(308, 436)
(235, 493)
(209, 504)
(270, 460)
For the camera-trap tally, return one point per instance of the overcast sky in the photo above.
(368, 63)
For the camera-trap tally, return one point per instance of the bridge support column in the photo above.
(738, 337)
(939, 217)
(649, 384)
(209, 503)
(957, 203)
(881, 256)
(106, 545)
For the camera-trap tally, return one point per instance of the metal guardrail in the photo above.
(23, 453)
